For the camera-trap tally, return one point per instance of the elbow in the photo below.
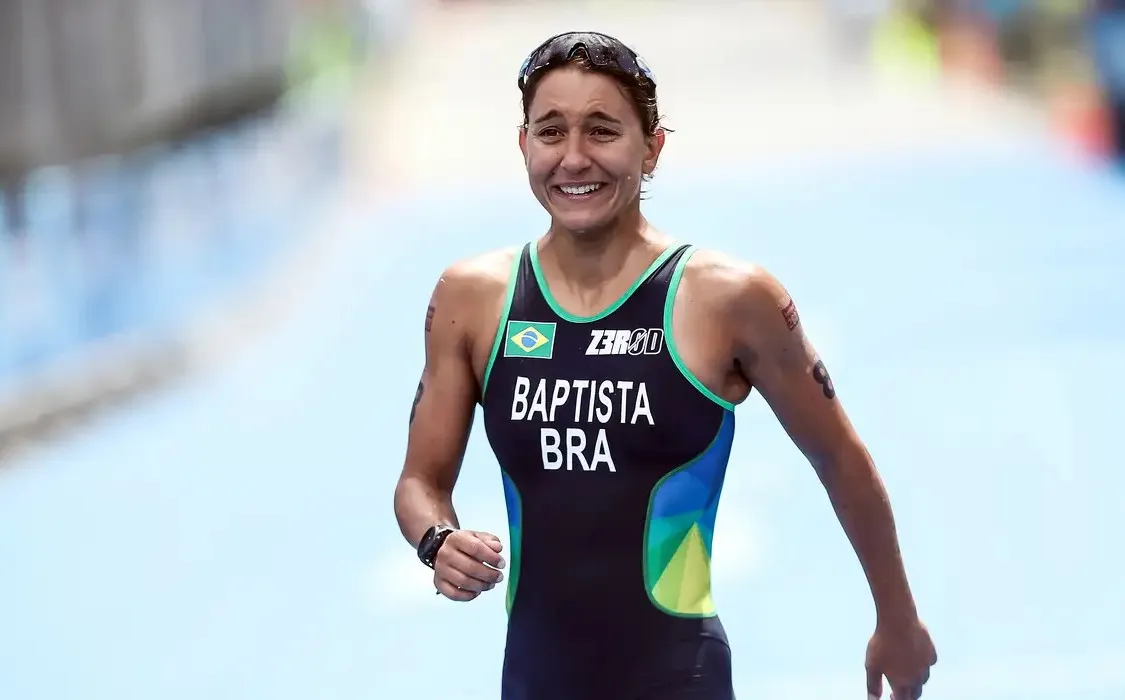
(406, 506)
(407, 493)
(419, 502)
(400, 497)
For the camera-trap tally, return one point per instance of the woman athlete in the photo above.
(608, 360)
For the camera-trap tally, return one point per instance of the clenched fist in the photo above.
(468, 564)
(903, 653)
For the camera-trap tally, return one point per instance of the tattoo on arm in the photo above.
(820, 374)
(421, 385)
(417, 397)
(790, 315)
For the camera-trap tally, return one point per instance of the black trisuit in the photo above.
(613, 457)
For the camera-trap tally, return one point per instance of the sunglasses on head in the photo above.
(603, 51)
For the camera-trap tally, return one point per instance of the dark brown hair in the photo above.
(642, 99)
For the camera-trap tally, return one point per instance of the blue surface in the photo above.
(235, 539)
(168, 233)
(1106, 30)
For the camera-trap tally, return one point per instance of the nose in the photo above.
(575, 159)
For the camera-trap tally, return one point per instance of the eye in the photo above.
(550, 134)
(601, 133)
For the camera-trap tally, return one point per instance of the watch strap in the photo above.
(431, 542)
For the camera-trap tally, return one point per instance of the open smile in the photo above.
(579, 192)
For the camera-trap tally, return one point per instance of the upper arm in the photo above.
(445, 399)
(777, 358)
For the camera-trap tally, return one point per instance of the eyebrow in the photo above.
(597, 116)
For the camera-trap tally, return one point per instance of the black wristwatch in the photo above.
(432, 542)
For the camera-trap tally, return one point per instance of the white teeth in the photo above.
(579, 189)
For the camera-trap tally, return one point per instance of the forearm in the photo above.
(864, 511)
(419, 506)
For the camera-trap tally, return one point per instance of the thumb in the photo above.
(874, 683)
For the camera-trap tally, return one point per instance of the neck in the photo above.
(591, 258)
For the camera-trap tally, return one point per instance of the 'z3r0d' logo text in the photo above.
(640, 341)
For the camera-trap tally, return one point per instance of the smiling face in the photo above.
(585, 149)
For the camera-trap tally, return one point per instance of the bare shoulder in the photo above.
(725, 284)
(471, 287)
(469, 299)
(757, 317)
(477, 279)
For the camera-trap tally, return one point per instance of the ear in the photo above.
(523, 142)
(654, 145)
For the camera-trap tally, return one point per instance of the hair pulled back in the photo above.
(643, 103)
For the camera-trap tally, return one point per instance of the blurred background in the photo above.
(220, 222)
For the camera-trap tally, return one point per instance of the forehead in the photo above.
(574, 93)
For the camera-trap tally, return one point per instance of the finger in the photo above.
(467, 573)
(874, 683)
(491, 540)
(478, 550)
(906, 692)
(470, 565)
(466, 582)
(451, 591)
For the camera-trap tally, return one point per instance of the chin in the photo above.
(582, 224)
(579, 220)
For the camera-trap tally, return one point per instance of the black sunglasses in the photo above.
(603, 50)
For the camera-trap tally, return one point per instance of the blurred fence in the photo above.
(153, 161)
